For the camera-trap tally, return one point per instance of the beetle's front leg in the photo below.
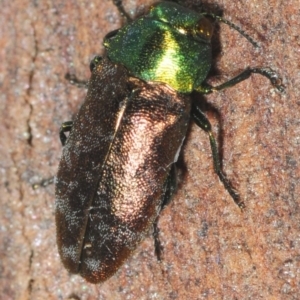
(266, 72)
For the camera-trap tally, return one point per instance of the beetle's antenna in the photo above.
(237, 28)
(121, 9)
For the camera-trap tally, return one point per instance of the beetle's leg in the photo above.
(170, 188)
(122, 11)
(84, 83)
(157, 245)
(202, 121)
(266, 72)
(65, 127)
(75, 81)
(43, 183)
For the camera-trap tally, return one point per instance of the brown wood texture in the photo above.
(211, 249)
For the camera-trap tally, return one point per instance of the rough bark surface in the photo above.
(212, 250)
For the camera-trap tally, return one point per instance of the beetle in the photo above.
(117, 170)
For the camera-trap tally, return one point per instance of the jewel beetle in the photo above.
(117, 169)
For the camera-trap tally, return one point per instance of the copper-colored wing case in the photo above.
(114, 167)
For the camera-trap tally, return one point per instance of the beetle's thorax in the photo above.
(170, 45)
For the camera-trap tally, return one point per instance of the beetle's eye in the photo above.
(204, 29)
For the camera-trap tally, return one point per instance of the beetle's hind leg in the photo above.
(170, 188)
(202, 121)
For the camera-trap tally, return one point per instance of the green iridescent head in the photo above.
(171, 44)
